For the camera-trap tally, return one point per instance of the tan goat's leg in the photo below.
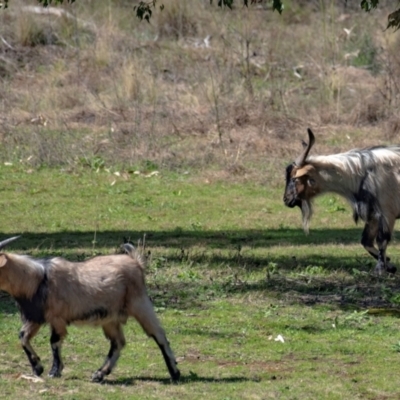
(142, 309)
(113, 332)
(27, 332)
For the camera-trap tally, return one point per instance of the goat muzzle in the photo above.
(291, 202)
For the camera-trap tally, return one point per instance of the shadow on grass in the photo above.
(359, 293)
(362, 292)
(179, 238)
(213, 248)
(221, 268)
(191, 378)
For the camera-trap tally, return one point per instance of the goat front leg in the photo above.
(113, 332)
(57, 335)
(27, 332)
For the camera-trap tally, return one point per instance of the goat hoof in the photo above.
(98, 377)
(38, 370)
(54, 374)
(391, 268)
(380, 268)
(175, 376)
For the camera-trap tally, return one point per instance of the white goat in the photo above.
(368, 178)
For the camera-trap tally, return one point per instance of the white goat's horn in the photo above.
(311, 139)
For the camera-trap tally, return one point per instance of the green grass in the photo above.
(229, 270)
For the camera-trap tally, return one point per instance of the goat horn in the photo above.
(7, 241)
(311, 140)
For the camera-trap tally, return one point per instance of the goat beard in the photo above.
(306, 212)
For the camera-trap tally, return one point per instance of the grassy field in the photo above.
(229, 271)
(179, 131)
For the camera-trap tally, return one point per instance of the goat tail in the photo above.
(130, 249)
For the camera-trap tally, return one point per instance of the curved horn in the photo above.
(7, 241)
(311, 140)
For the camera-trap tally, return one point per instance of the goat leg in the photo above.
(55, 342)
(28, 331)
(382, 239)
(144, 313)
(113, 332)
(374, 229)
(168, 358)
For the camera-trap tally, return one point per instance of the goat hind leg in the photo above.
(368, 237)
(27, 332)
(144, 313)
(383, 238)
(114, 333)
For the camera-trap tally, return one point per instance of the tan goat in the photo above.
(102, 291)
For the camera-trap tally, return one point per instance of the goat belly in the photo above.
(98, 316)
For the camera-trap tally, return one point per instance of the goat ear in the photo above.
(306, 170)
(3, 260)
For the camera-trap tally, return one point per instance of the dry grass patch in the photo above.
(197, 87)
